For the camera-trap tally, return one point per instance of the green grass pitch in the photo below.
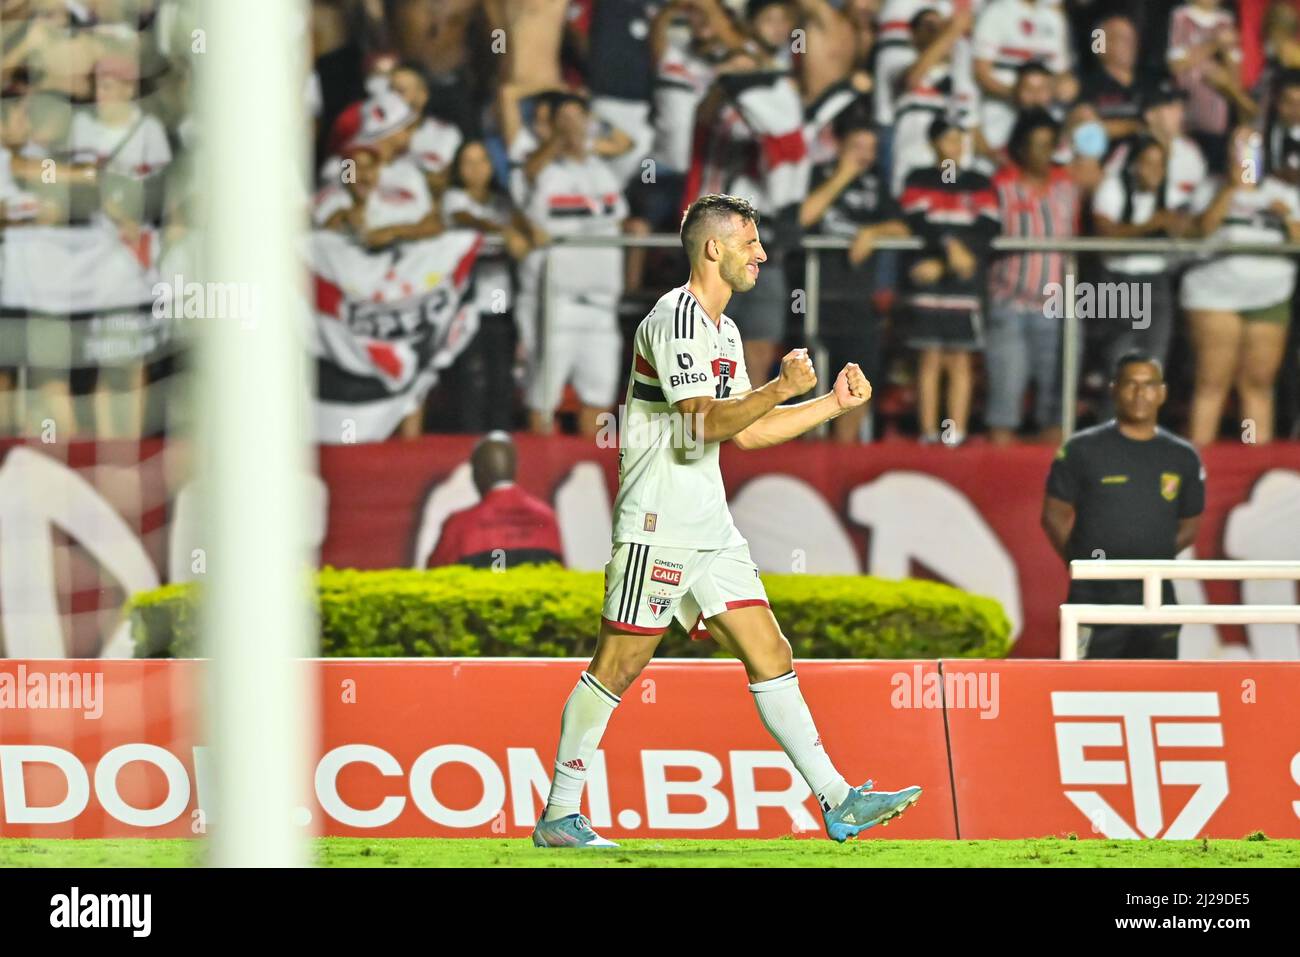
(781, 852)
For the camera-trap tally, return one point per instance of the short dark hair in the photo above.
(1031, 67)
(1137, 358)
(754, 7)
(1026, 123)
(921, 14)
(708, 207)
(939, 126)
(853, 118)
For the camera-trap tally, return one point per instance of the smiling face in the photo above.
(739, 254)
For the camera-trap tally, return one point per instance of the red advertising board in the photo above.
(1140, 749)
(447, 747)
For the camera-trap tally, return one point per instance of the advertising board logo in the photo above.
(1138, 722)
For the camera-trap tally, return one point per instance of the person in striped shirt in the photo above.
(955, 213)
(1205, 60)
(1038, 200)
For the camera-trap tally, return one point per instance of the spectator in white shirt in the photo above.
(1008, 34)
(1239, 306)
(481, 378)
(399, 206)
(119, 139)
(1133, 204)
(433, 142)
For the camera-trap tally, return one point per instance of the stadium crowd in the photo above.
(952, 121)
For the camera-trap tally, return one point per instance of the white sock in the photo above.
(787, 719)
(586, 713)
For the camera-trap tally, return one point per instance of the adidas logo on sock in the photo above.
(575, 765)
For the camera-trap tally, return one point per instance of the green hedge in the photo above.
(552, 612)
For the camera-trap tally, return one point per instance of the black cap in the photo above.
(1158, 94)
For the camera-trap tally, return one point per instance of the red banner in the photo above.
(447, 747)
(82, 526)
(967, 516)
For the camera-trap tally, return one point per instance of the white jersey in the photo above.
(1011, 33)
(894, 49)
(1184, 171)
(1110, 200)
(137, 149)
(581, 198)
(1236, 283)
(669, 493)
(400, 198)
(682, 78)
(492, 283)
(434, 145)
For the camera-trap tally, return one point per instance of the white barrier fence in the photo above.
(1153, 575)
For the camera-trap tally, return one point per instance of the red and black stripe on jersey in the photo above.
(579, 205)
(936, 210)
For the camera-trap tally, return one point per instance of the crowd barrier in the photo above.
(813, 247)
(463, 748)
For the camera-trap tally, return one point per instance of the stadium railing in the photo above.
(1152, 611)
(814, 246)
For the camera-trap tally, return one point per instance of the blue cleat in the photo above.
(865, 808)
(572, 831)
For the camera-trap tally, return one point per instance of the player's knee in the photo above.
(618, 674)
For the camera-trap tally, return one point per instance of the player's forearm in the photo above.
(723, 419)
(787, 422)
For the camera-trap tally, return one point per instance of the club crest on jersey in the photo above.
(724, 370)
(658, 604)
(669, 576)
(1169, 483)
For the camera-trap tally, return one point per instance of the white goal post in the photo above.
(1153, 575)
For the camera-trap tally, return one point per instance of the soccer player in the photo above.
(676, 551)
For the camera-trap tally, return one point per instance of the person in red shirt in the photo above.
(508, 526)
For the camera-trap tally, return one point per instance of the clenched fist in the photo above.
(851, 387)
(797, 373)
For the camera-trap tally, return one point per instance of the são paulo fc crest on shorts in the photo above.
(1169, 483)
(658, 605)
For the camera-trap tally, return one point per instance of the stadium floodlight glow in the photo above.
(252, 431)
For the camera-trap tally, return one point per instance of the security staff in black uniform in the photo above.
(1125, 489)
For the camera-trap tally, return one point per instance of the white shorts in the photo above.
(586, 350)
(646, 586)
